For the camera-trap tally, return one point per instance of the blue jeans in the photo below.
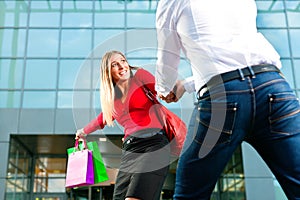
(262, 111)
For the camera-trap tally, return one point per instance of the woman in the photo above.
(145, 156)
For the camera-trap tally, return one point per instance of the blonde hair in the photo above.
(107, 87)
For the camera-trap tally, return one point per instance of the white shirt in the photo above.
(216, 36)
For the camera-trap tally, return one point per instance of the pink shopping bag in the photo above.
(80, 168)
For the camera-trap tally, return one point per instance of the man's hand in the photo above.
(179, 90)
(176, 94)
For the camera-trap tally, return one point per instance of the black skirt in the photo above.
(144, 167)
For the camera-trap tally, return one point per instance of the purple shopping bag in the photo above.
(80, 168)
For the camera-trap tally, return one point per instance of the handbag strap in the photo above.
(150, 95)
(155, 101)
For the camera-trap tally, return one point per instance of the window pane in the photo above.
(76, 43)
(45, 13)
(281, 45)
(65, 100)
(82, 78)
(18, 171)
(293, 19)
(43, 43)
(10, 99)
(295, 42)
(96, 74)
(146, 6)
(81, 99)
(79, 6)
(77, 14)
(109, 5)
(141, 20)
(143, 53)
(68, 72)
(41, 74)
(39, 99)
(12, 43)
(297, 72)
(96, 99)
(288, 72)
(293, 13)
(269, 6)
(116, 19)
(102, 36)
(15, 13)
(271, 20)
(77, 20)
(50, 174)
(11, 73)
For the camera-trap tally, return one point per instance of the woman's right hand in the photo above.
(80, 134)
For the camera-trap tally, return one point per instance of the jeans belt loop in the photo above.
(241, 74)
(251, 72)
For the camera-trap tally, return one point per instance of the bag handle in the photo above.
(77, 144)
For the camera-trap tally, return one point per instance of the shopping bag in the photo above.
(80, 168)
(100, 173)
(174, 127)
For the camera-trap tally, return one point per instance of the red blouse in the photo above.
(135, 113)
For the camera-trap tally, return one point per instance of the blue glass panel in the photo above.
(15, 13)
(270, 14)
(96, 74)
(13, 42)
(293, 13)
(77, 6)
(142, 53)
(295, 42)
(76, 18)
(271, 20)
(297, 72)
(141, 20)
(112, 20)
(44, 19)
(76, 43)
(294, 19)
(279, 39)
(44, 6)
(287, 71)
(80, 99)
(68, 73)
(65, 100)
(10, 99)
(101, 6)
(102, 36)
(43, 43)
(45, 13)
(269, 6)
(96, 100)
(146, 6)
(11, 73)
(39, 99)
(41, 74)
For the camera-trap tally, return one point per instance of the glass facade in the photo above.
(50, 51)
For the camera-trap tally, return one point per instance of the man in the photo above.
(242, 95)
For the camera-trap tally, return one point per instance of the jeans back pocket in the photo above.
(216, 122)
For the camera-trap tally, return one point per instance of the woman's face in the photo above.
(119, 68)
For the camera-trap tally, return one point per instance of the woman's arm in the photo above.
(92, 126)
